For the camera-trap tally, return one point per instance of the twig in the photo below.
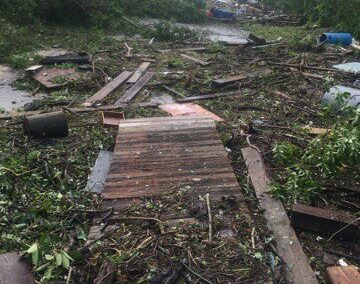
(161, 223)
(69, 276)
(207, 197)
(129, 50)
(343, 228)
(253, 238)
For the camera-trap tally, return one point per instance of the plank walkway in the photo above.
(153, 155)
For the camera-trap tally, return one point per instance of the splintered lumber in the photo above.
(324, 221)
(316, 130)
(300, 66)
(201, 62)
(343, 274)
(288, 246)
(229, 80)
(207, 97)
(47, 125)
(139, 72)
(134, 90)
(108, 89)
(15, 271)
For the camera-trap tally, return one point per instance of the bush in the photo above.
(342, 15)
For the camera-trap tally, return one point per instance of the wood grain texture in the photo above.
(155, 155)
(198, 61)
(139, 72)
(289, 248)
(108, 89)
(343, 275)
(136, 88)
(14, 271)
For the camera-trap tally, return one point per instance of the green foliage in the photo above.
(325, 158)
(342, 15)
(168, 31)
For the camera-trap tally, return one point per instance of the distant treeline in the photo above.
(342, 15)
(98, 12)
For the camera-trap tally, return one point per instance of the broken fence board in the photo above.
(289, 248)
(112, 118)
(343, 274)
(15, 271)
(99, 172)
(134, 90)
(229, 80)
(108, 89)
(324, 221)
(199, 61)
(139, 72)
(207, 97)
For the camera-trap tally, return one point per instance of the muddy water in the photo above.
(10, 98)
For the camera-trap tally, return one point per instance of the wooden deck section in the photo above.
(154, 155)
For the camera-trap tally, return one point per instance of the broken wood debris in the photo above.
(188, 109)
(13, 270)
(199, 61)
(97, 178)
(76, 58)
(343, 274)
(112, 118)
(136, 88)
(139, 72)
(324, 221)
(289, 248)
(300, 66)
(208, 97)
(173, 91)
(108, 89)
(55, 77)
(231, 79)
(183, 49)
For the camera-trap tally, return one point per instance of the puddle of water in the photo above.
(10, 98)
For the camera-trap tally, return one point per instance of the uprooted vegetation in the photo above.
(47, 213)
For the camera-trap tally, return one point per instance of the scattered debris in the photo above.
(188, 109)
(33, 69)
(353, 67)
(325, 222)
(139, 72)
(99, 172)
(344, 39)
(222, 14)
(55, 77)
(172, 91)
(208, 97)
(229, 80)
(134, 90)
(352, 100)
(76, 58)
(343, 275)
(201, 62)
(112, 118)
(288, 246)
(47, 125)
(257, 39)
(108, 89)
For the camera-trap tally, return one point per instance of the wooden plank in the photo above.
(139, 72)
(324, 221)
(108, 89)
(14, 271)
(289, 248)
(207, 97)
(343, 274)
(229, 80)
(134, 90)
(188, 109)
(201, 62)
(316, 130)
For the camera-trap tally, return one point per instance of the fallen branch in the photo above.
(207, 197)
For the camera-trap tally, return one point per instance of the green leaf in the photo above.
(258, 255)
(34, 155)
(65, 261)
(65, 253)
(33, 248)
(49, 257)
(58, 258)
(35, 257)
(48, 273)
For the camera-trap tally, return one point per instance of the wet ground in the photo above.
(10, 98)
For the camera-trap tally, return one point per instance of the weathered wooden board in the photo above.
(343, 275)
(188, 109)
(139, 72)
(134, 90)
(326, 222)
(108, 89)
(229, 80)
(289, 248)
(99, 172)
(207, 97)
(155, 155)
(14, 271)
(198, 61)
